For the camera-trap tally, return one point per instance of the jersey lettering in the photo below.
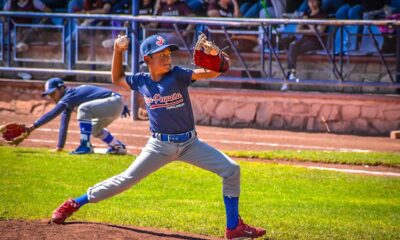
(157, 101)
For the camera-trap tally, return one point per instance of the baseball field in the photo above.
(184, 202)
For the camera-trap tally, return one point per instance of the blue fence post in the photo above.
(8, 41)
(398, 57)
(135, 60)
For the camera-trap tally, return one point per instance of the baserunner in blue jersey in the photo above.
(97, 108)
(173, 135)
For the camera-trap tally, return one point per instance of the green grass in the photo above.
(355, 158)
(291, 202)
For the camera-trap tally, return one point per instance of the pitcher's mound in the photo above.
(16, 229)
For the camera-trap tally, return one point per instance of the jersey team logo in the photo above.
(174, 100)
(160, 41)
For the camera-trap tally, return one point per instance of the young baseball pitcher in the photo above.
(173, 134)
(97, 108)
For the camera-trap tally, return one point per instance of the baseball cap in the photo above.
(51, 85)
(153, 44)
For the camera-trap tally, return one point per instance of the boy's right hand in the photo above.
(121, 44)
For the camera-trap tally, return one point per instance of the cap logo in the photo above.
(160, 41)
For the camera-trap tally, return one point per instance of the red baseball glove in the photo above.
(209, 56)
(13, 133)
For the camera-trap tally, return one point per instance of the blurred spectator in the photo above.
(223, 8)
(197, 6)
(307, 40)
(24, 35)
(250, 8)
(274, 9)
(174, 8)
(146, 7)
(389, 43)
(328, 6)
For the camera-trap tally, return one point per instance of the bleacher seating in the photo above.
(97, 57)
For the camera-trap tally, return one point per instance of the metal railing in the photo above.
(222, 23)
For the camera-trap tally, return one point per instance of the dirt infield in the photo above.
(135, 135)
(74, 230)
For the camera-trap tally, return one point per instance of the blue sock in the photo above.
(107, 137)
(86, 130)
(232, 212)
(82, 200)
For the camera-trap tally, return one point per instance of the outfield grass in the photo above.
(291, 202)
(390, 159)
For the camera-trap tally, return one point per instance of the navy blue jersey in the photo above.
(75, 96)
(167, 101)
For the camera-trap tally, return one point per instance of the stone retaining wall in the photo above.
(313, 112)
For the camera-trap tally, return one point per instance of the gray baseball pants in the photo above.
(157, 153)
(102, 112)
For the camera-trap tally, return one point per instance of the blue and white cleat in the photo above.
(84, 148)
(117, 149)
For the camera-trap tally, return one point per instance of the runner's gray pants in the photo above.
(101, 112)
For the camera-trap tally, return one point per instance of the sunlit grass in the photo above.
(291, 202)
